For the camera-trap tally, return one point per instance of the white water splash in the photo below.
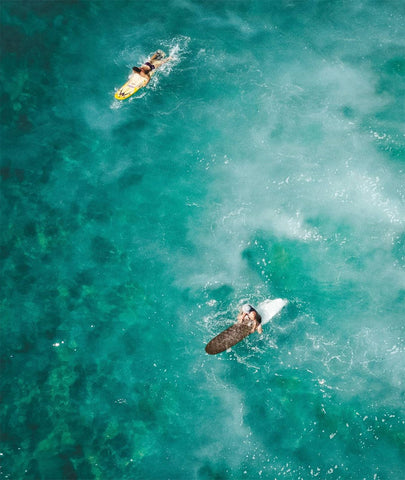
(177, 48)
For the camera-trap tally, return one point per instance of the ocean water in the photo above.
(265, 161)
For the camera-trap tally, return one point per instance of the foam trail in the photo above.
(174, 51)
(177, 48)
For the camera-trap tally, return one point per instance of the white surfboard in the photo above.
(270, 308)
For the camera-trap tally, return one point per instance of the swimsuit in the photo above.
(152, 67)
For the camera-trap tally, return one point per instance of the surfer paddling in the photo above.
(147, 68)
(249, 316)
(141, 76)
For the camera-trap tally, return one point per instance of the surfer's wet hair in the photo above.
(136, 69)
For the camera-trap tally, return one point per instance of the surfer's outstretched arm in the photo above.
(259, 323)
(158, 63)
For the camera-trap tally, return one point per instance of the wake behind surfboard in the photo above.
(237, 332)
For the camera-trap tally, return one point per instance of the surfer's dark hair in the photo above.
(136, 69)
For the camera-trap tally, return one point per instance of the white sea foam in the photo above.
(280, 185)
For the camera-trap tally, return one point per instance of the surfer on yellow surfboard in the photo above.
(141, 75)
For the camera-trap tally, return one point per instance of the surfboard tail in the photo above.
(228, 338)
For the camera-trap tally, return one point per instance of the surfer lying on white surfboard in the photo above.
(249, 316)
(147, 68)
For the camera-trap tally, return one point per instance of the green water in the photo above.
(265, 161)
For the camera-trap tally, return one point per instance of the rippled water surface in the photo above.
(266, 160)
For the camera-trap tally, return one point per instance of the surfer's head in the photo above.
(159, 55)
(247, 308)
(136, 69)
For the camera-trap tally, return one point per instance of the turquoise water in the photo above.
(265, 161)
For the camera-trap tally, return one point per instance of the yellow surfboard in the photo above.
(135, 83)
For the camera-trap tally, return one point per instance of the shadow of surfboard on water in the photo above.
(237, 332)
